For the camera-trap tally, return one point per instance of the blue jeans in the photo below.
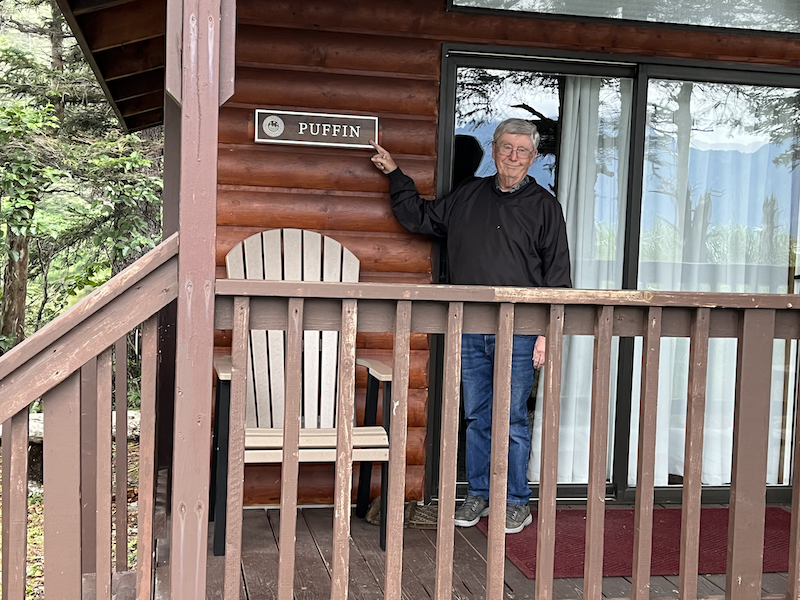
(477, 377)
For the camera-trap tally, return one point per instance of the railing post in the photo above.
(749, 468)
(645, 472)
(62, 481)
(15, 505)
(199, 98)
(548, 479)
(398, 435)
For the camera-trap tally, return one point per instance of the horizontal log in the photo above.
(315, 483)
(312, 168)
(423, 19)
(123, 24)
(418, 376)
(395, 277)
(357, 93)
(376, 251)
(271, 208)
(411, 135)
(332, 50)
(417, 407)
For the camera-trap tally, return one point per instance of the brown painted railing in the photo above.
(755, 320)
(70, 365)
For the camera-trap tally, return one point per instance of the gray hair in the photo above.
(518, 127)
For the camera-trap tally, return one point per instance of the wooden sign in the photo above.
(314, 129)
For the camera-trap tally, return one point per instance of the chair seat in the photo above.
(316, 445)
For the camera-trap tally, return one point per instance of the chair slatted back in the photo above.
(292, 255)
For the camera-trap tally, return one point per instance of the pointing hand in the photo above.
(383, 160)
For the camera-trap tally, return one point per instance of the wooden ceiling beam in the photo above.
(132, 59)
(136, 85)
(141, 104)
(145, 120)
(81, 7)
(123, 24)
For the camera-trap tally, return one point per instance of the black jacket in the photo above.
(493, 238)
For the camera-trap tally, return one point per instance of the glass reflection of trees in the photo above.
(769, 15)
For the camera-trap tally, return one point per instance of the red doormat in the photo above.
(618, 542)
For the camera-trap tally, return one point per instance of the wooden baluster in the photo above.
(501, 415)
(88, 465)
(451, 395)
(15, 505)
(147, 468)
(693, 454)
(645, 474)
(235, 483)
(548, 479)
(343, 486)
(103, 486)
(291, 452)
(62, 481)
(598, 451)
(398, 435)
(121, 438)
(750, 441)
(793, 591)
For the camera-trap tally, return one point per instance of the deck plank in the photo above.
(470, 551)
(616, 587)
(362, 584)
(774, 584)
(259, 555)
(706, 588)
(311, 577)
(366, 539)
(458, 591)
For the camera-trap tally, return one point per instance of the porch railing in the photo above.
(70, 365)
(754, 320)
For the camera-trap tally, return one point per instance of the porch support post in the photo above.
(199, 98)
(749, 469)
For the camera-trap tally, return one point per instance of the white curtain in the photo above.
(592, 171)
(729, 234)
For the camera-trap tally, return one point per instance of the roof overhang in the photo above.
(124, 42)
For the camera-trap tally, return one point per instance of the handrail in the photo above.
(470, 293)
(64, 345)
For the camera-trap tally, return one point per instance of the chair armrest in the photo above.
(376, 368)
(222, 364)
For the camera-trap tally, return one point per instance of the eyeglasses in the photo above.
(507, 149)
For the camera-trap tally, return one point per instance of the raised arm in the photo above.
(411, 210)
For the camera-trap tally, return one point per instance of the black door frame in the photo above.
(640, 70)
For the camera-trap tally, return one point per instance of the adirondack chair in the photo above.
(296, 255)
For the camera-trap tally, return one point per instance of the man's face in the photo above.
(513, 155)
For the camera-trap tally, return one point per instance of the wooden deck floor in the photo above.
(312, 577)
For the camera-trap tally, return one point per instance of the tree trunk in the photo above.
(15, 288)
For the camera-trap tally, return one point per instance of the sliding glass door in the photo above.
(583, 159)
(719, 214)
(670, 178)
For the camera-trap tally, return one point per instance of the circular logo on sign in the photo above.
(273, 125)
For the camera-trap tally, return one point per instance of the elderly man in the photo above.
(503, 230)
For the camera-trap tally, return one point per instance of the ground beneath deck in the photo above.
(313, 557)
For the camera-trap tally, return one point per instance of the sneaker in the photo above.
(518, 516)
(469, 513)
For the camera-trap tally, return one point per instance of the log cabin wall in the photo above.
(384, 59)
